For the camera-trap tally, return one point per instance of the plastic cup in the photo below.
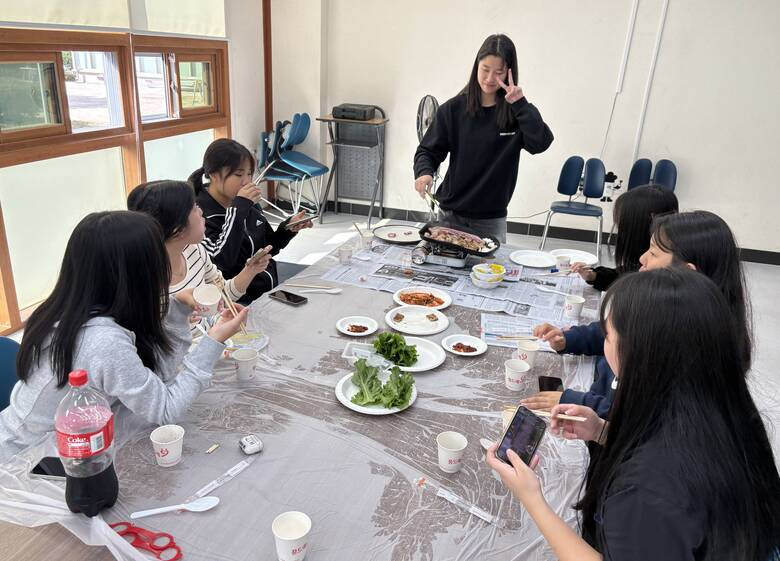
(452, 448)
(167, 442)
(345, 255)
(365, 240)
(514, 373)
(573, 306)
(208, 295)
(246, 360)
(291, 531)
(563, 262)
(526, 351)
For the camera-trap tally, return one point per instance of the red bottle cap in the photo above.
(77, 378)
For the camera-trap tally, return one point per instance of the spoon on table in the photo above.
(198, 505)
(545, 289)
(321, 291)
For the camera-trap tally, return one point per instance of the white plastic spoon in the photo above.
(198, 505)
(545, 289)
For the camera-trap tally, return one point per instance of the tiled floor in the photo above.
(764, 378)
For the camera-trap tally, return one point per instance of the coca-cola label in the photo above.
(86, 445)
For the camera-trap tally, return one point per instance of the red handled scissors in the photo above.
(160, 544)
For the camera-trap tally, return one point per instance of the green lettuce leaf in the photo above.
(393, 347)
(366, 378)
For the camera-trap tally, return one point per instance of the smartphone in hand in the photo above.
(550, 384)
(523, 435)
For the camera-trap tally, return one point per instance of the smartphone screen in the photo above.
(550, 384)
(49, 467)
(288, 297)
(523, 435)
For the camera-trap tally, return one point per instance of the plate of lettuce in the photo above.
(372, 391)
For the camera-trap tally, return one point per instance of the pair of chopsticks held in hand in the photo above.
(220, 284)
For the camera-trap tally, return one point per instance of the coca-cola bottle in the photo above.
(85, 441)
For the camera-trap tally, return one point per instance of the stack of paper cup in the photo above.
(573, 306)
(452, 449)
(514, 372)
(291, 531)
(246, 360)
(167, 441)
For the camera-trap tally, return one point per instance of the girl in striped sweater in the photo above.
(172, 203)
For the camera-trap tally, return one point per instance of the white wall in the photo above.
(244, 28)
(712, 105)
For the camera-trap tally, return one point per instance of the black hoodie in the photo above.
(483, 159)
(234, 234)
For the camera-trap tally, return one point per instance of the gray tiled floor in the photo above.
(762, 281)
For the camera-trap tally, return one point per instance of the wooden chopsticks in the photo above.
(220, 284)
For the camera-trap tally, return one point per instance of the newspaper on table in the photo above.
(385, 268)
(495, 326)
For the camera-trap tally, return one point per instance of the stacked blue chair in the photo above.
(278, 161)
(8, 350)
(593, 188)
(665, 174)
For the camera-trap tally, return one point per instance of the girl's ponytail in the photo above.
(196, 179)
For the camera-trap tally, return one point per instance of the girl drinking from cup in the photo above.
(236, 227)
(686, 470)
(110, 314)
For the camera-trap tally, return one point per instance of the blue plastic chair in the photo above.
(593, 188)
(665, 174)
(8, 350)
(640, 173)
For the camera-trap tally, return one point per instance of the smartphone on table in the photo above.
(288, 297)
(523, 435)
(550, 384)
(48, 468)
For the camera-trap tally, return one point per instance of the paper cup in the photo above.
(526, 351)
(291, 531)
(514, 373)
(573, 306)
(209, 296)
(563, 262)
(345, 255)
(246, 360)
(452, 448)
(167, 442)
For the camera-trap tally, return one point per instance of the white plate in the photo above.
(475, 342)
(396, 233)
(346, 390)
(435, 291)
(429, 355)
(415, 322)
(344, 323)
(533, 258)
(577, 256)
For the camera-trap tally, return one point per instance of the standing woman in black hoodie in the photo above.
(483, 129)
(236, 227)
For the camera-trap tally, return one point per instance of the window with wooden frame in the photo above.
(64, 93)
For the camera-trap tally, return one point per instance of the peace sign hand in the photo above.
(513, 93)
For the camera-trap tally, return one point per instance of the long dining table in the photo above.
(370, 484)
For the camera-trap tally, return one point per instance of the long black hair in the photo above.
(705, 240)
(223, 153)
(633, 213)
(115, 265)
(170, 202)
(501, 46)
(682, 384)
